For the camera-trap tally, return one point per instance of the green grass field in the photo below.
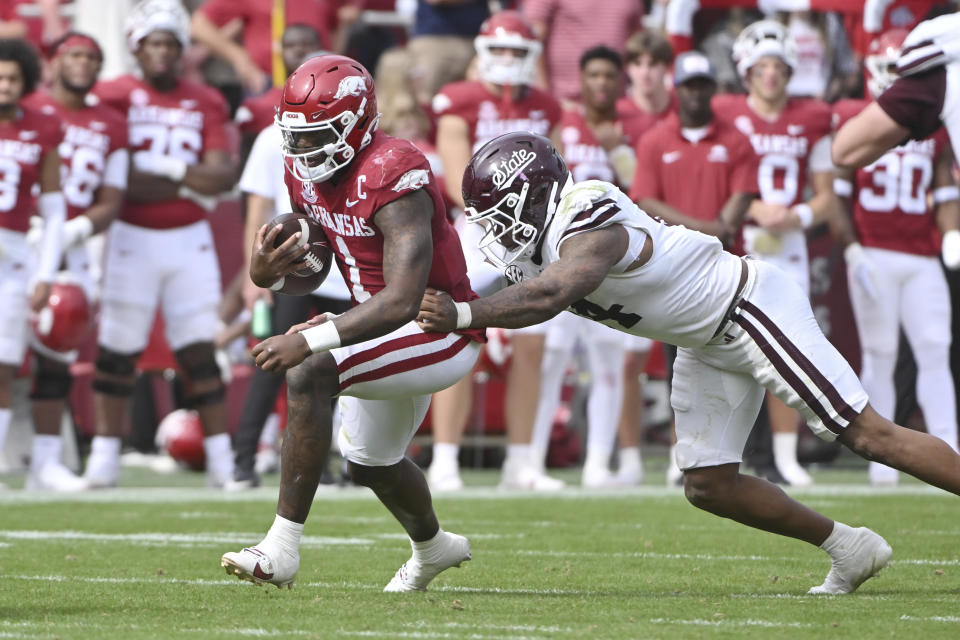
(143, 562)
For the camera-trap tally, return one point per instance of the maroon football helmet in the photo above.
(327, 113)
(65, 322)
(511, 189)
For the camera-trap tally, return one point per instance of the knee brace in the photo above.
(51, 382)
(112, 365)
(200, 366)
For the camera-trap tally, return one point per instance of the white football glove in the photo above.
(950, 249)
(862, 269)
(208, 203)
(35, 234)
(76, 230)
(163, 166)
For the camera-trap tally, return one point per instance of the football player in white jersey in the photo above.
(741, 326)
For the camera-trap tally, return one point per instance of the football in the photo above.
(316, 264)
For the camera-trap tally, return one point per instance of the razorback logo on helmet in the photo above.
(507, 170)
(350, 86)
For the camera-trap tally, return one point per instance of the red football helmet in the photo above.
(881, 61)
(65, 322)
(327, 114)
(511, 189)
(507, 30)
(180, 434)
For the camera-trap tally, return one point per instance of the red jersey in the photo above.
(585, 156)
(388, 169)
(636, 121)
(183, 123)
(698, 178)
(256, 113)
(489, 115)
(256, 18)
(90, 136)
(783, 146)
(890, 196)
(24, 143)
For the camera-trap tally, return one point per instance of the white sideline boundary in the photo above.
(150, 495)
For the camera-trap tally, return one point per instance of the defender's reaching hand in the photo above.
(437, 312)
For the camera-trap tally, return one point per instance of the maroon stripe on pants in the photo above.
(826, 387)
(386, 347)
(409, 364)
(791, 378)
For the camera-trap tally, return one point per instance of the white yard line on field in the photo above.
(217, 538)
(334, 493)
(750, 622)
(949, 619)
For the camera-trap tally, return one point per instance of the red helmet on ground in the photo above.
(881, 60)
(180, 434)
(511, 189)
(65, 322)
(507, 30)
(327, 113)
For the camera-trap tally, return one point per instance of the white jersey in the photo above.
(680, 296)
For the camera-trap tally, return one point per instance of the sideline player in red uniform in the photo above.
(95, 165)
(385, 219)
(501, 100)
(28, 159)
(791, 139)
(890, 205)
(160, 250)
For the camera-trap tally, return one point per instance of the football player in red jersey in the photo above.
(95, 165)
(160, 250)
(384, 216)
(791, 137)
(28, 160)
(470, 113)
(890, 205)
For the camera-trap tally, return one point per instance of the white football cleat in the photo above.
(632, 477)
(883, 476)
(866, 554)
(53, 476)
(254, 565)
(415, 576)
(599, 478)
(529, 478)
(795, 475)
(444, 479)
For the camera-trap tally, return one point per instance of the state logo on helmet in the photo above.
(327, 114)
(880, 64)
(507, 50)
(511, 188)
(64, 323)
(761, 39)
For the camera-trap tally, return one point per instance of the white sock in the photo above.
(517, 455)
(445, 455)
(46, 448)
(834, 542)
(105, 449)
(630, 459)
(219, 456)
(285, 534)
(785, 449)
(428, 551)
(5, 416)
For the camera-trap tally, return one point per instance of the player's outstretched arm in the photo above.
(866, 137)
(585, 260)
